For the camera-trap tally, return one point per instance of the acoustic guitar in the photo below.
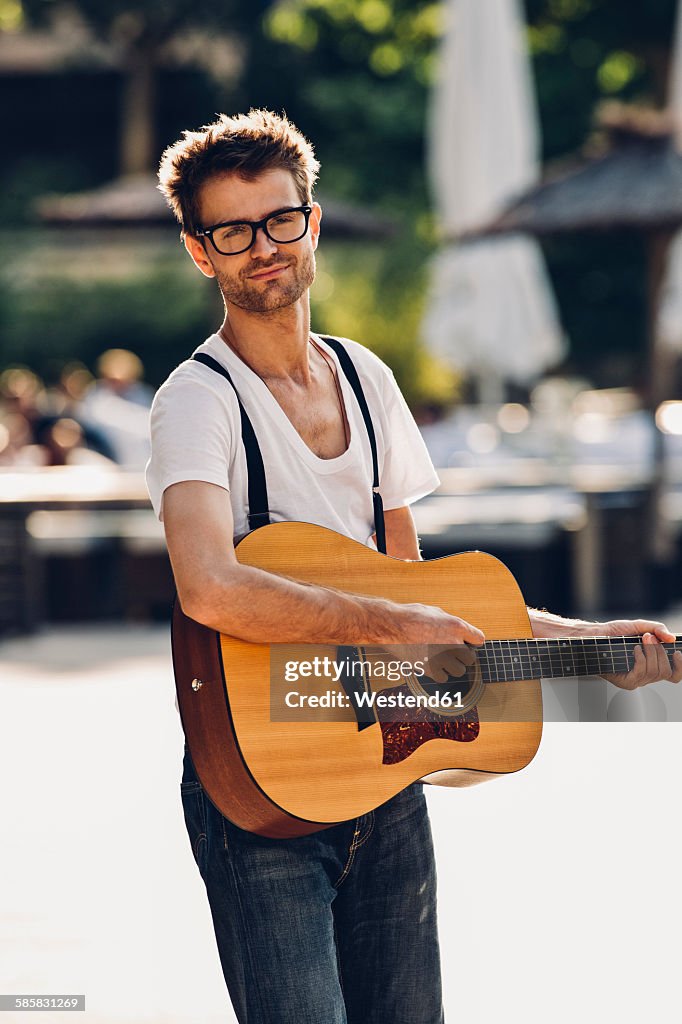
(283, 773)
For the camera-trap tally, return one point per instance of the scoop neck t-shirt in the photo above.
(196, 435)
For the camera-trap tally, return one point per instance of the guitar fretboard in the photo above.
(507, 660)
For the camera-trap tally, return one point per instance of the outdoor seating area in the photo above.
(559, 507)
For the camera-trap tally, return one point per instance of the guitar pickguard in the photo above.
(418, 725)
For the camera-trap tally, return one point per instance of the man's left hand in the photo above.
(651, 660)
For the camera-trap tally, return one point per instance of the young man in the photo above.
(339, 926)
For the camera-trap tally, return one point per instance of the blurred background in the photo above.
(502, 188)
(502, 193)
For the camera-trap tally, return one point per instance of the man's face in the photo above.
(269, 275)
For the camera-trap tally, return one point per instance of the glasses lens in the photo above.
(232, 239)
(288, 226)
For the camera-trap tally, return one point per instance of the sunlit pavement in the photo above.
(559, 886)
(100, 893)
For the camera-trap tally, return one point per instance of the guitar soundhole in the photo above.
(461, 686)
(418, 725)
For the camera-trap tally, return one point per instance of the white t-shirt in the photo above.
(196, 435)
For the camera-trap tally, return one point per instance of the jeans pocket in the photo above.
(189, 787)
(194, 809)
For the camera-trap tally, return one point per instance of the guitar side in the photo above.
(291, 778)
(209, 730)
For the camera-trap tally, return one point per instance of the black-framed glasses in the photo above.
(233, 237)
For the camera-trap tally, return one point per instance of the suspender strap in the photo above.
(258, 491)
(351, 373)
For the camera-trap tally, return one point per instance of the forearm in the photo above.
(262, 607)
(547, 626)
(249, 603)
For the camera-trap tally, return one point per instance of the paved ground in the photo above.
(560, 887)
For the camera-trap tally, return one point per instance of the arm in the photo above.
(249, 603)
(651, 661)
(401, 534)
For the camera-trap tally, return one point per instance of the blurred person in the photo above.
(17, 445)
(301, 933)
(75, 380)
(120, 372)
(62, 442)
(23, 392)
(61, 402)
(116, 405)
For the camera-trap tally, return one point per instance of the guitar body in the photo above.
(291, 778)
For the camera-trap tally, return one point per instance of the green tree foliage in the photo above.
(585, 51)
(159, 315)
(355, 74)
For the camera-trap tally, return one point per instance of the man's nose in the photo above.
(262, 244)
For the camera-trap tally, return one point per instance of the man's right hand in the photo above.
(441, 641)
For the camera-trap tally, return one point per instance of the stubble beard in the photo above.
(269, 296)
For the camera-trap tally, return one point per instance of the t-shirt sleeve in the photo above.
(192, 435)
(407, 473)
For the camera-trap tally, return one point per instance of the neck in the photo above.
(275, 345)
(559, 658)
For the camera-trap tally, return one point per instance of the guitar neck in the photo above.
(507, 660)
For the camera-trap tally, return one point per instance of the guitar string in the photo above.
(499, 663)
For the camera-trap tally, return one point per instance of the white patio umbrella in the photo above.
(491, 311)
(669, 319)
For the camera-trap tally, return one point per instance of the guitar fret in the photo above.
(582, 667)
(484, 660)
(517, 661)
(497, 668)
(595, 661)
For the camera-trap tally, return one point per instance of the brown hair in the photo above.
(247, 145)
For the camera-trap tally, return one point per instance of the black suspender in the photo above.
(257, 488)
(351, 373)
(258, 491)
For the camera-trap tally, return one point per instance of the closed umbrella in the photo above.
(669, 322)
(491, 311)
(634, 184)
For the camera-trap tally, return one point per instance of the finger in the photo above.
(471, 635)
(455, 662)
(632, 679)
(677, 667)
(437, 674)
(452, 667)
(657, 664)
(659, 630)
(665, 668)
(460, 653)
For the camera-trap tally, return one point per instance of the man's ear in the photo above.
(315, 218)
(199, 255)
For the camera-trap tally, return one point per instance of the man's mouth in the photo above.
(269, 273)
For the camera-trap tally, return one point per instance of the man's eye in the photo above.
(282, 218)
(235, 231)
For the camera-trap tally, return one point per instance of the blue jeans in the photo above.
(334, 928)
